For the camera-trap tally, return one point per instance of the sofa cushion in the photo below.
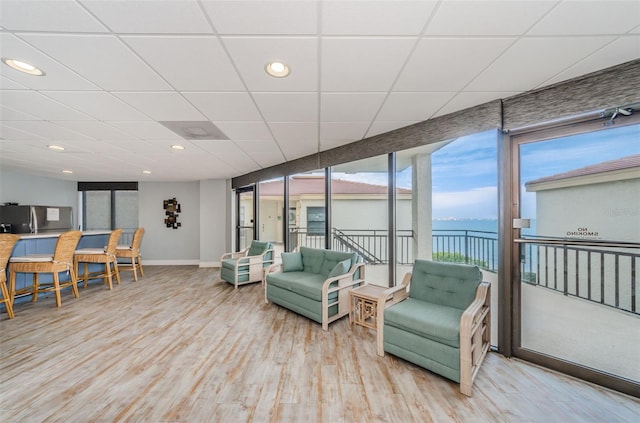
(258, 247)
(312, 259)
(340, 268)
(447, 284)
(292, 262)
(306, 284)
(231, 264)
(436, 322)
(331, 258)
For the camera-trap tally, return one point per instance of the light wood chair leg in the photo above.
(56, 288)
(74, 284)
(140, 266)
(8, 300)
(107, 275)
(36, 286)
(133, 266)
(85, 275)
(116, 271)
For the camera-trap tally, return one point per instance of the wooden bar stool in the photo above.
(106, 255)
(7, 242)
(60, 261)
(132, 252)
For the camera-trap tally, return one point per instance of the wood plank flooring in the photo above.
(177, 346)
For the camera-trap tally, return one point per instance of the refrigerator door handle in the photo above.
(33, 222)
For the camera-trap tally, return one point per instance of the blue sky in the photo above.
(465, 172)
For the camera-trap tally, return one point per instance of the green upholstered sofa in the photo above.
(314, 283)
(438, 319)
(246, 266)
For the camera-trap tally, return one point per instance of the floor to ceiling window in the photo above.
(359, 213)
(307, 214)
(271, 213)
(579, 261)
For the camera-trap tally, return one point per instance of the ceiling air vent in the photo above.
(195, 130)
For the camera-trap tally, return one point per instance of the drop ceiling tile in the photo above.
(488, 17)
(9, 133)
(375, 17)
(161, 106)
(96, 130)
(242, 131)
(102, 59)
(8, 84)
(47, 130)
(262, 17)
(335, 134)
(531, 61)
(296, 139)
(413, 106)
(58, 76)
(288, 107)
(217, 146)
(448, 64)
(47, 15)
(225, 106)
(38, 105)
(258, 146)
(622, 50)
(151, 131)
(362, 64)
(98, 104)
(467, 99)
(350, 107)
(7, 113)
(267, 159)
(150, 16)
(381, 127)
(251, 55)
(589, 18)
(188, 63)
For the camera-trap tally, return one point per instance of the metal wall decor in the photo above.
(172, 208)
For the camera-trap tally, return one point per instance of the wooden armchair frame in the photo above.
(255, 263)
(475, 329)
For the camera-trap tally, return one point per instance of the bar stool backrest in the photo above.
(137, 239)
(7, 242)
(66, 247)
(113, 241)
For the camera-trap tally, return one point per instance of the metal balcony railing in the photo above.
(601, 272)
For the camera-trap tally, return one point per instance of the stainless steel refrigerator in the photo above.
(36, 219)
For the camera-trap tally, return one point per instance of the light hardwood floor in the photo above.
(176, 346)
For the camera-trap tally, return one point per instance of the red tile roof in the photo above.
(314, 184)
(609, 166)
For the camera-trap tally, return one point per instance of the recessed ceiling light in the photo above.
(67, 171)
(146, 172)
(55, 147)
(23, 66)
(177, 147)
(277, 69)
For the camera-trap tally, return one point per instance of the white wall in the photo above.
(213, 223)
(28, 189)
(162, 245)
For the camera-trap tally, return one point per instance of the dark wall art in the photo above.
(171, 210)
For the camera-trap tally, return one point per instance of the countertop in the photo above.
(57, 234)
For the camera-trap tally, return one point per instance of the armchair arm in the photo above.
(237, 254)
(270, 269)
(345, 283)
(475, 336)
(388, 298)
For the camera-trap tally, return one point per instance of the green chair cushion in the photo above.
(312, 259)
(306, 284)
(448, 284)
(292, 262)
(258, 247)
(340, 268)
(436, 322)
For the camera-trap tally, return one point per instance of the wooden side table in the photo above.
(364, 305)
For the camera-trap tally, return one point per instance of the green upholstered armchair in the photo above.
(246, 266)
(438, 319)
